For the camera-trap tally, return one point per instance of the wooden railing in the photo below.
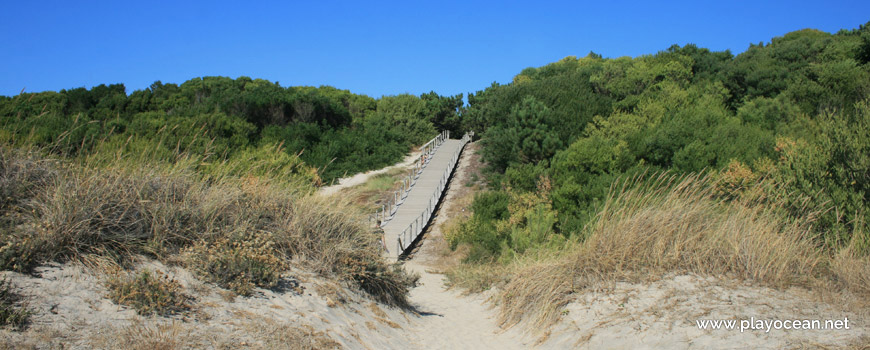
(410, 233)
(385, 213)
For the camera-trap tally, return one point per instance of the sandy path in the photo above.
(360, 178)
(450, 320)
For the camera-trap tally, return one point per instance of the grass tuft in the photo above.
(237, 263)
(389, 284)
(148, 292)
(13, 312)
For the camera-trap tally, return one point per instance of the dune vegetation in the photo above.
(238, 232)
(754, 166)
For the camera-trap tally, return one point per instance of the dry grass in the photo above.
(285, 336)
(22, 176)
(33, 338)
(250, 332)
(13, 312)
(475, 278)
(652, 226)
(852, 269)
(63, 211)
(377, 190)
(272, 334)
(141, 336)
(148, 292)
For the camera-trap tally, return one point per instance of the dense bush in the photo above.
(334, 131)
(793, 111)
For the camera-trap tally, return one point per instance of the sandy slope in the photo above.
(71, 311)
(663, 314)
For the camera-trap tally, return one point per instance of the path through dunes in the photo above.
(450, 320)
(422, 197)
(447, 319)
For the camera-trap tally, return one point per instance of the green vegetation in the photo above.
(215, 174)
(652, 225)
(377, 190)
(754, 167)
(793, 111)
(333, 131)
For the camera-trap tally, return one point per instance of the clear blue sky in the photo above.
(369, 47)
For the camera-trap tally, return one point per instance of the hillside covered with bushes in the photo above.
(334, 132)
(793, 113)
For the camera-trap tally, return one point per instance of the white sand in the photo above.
(453, 321)
(663, 314)
(70, 308)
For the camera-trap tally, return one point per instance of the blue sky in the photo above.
(374, 47)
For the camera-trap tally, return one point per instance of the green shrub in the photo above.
(830, 169)
(492, 205)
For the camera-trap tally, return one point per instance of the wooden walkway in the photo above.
(414, 210)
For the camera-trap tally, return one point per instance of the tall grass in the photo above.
(651, 226)
(68, 209)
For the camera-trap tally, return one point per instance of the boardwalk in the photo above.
(413, 213)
